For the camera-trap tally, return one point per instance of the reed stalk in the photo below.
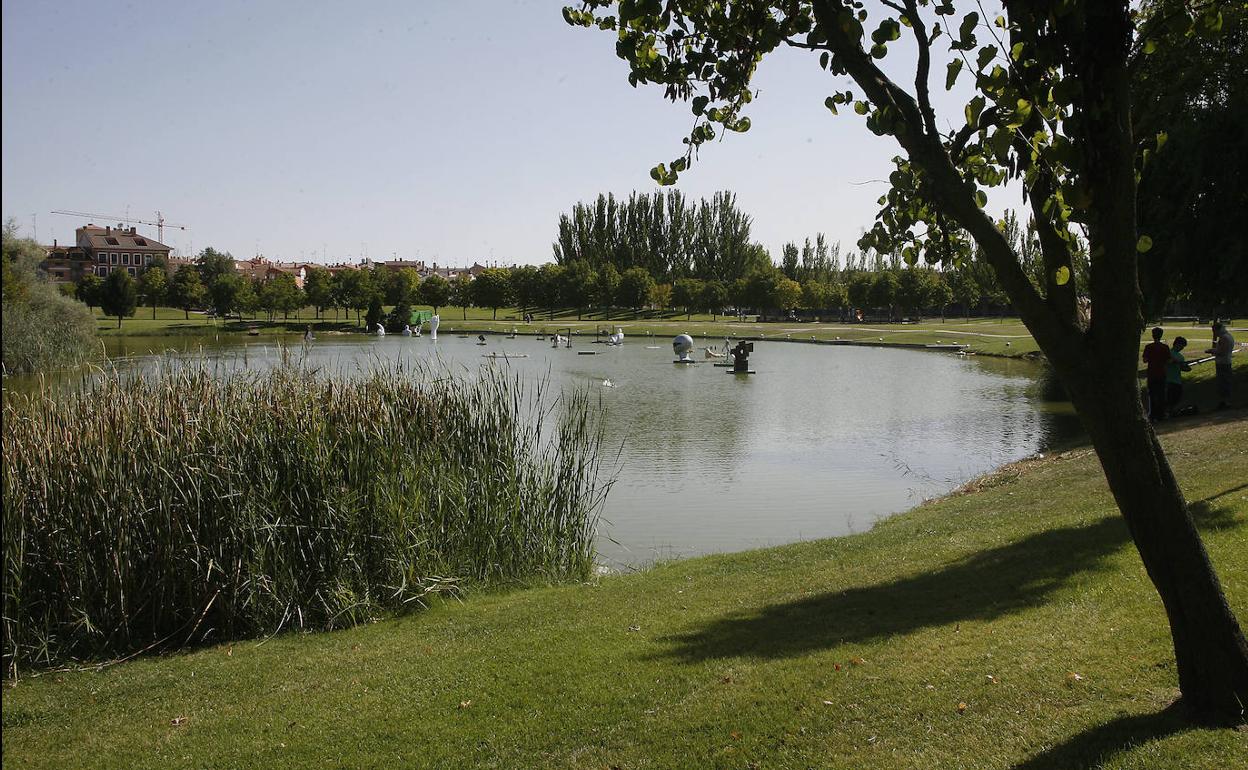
(185, 505)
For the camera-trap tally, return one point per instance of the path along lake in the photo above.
(820, 441)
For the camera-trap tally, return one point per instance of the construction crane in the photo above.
(160, 224)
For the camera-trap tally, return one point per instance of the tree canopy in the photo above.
(1049, 109)
(1193, 191)
(120, 296)
(662, 232)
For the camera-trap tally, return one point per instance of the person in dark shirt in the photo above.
(1157, 357)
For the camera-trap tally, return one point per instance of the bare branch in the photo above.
(922, 74)
(797, 44)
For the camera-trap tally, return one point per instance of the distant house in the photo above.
(451, 273)
(261, 268)
(101, 250)
(67, 264)
(395, 265)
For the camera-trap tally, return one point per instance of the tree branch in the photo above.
(922, 73)
(954, 194)
(958, 143)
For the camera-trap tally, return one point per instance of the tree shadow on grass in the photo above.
(981, 586)
(1098, 745)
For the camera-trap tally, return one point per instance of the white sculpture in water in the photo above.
(434, 321)
(617, 338)
(381, 330)
(682, 346)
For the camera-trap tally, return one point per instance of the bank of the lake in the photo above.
(1010, 626)
(995, 336)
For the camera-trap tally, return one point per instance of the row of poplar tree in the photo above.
(650, 251)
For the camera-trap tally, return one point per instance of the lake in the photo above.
(820, 441)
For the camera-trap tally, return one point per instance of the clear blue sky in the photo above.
(449, 131)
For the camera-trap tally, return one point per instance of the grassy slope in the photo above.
(852, 652)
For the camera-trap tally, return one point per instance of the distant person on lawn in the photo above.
(1157, 357)
(1223, 346)
(1174, 375)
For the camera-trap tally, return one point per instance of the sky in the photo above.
(452, 131)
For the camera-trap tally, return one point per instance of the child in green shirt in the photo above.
(1174, 374)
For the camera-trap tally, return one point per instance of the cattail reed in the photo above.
(146, 512)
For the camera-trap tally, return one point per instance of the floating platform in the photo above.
(587, 352)
(722, 365)
(678, 361)
(733, 371)
(504, 355)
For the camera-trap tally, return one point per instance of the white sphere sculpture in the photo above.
(682, 346)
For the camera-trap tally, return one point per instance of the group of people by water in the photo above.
(1166, 364)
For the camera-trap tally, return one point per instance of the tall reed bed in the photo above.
(185, 505)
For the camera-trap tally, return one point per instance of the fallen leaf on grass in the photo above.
(178, 721)
(736, 735)
(961, 708)
(828, 703)
(857, 661)
(634, 628)
(463, 704)
(1072, 677)
(992, 679)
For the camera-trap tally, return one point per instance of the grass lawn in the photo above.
(1009, 626)
(991, 336)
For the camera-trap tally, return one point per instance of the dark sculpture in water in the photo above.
(741, 357)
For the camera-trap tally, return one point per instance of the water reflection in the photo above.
(821, 441)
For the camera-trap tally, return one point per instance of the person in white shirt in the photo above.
(1223, 346)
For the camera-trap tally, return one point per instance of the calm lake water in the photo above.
(821, 441)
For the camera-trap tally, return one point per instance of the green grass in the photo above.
(1022, 599)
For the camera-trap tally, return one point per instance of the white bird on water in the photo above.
(608, 384)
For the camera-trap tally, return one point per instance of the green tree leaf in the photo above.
(951, 73)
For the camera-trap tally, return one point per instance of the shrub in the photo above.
(46, 330)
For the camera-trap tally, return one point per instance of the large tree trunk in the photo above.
(1098, 363)
(1209, 645)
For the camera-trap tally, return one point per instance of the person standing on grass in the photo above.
(1174, 374)
(1223, 346)
(1157, 357)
